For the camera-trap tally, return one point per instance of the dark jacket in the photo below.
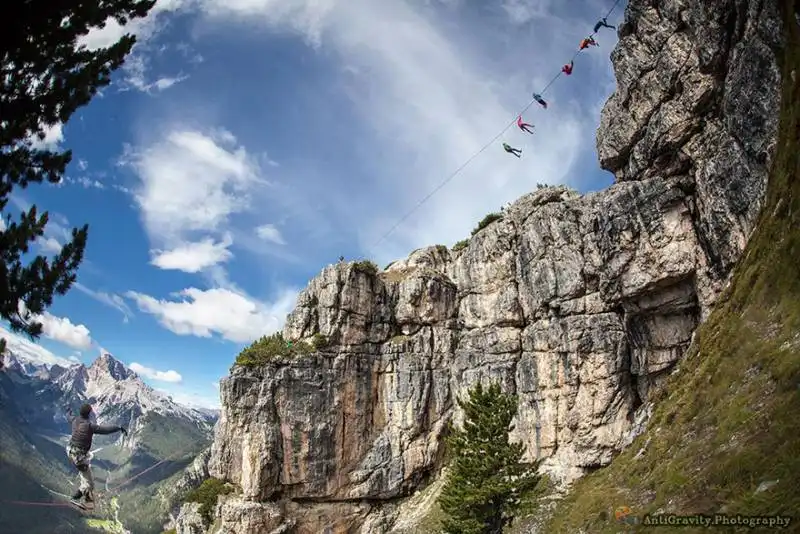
(83, 430)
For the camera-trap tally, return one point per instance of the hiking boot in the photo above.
(88, 498)
(77, 495)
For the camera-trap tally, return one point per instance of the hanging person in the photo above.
(603, 23)
(567, 69)
(589, 41)
(517, 152)
(524, 126)
(540, 100)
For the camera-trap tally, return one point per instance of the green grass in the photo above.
(727, 421)
(319, 342)
(486, 221)
(460, 245)
(366, 266)
(207, 494)
(268, 348)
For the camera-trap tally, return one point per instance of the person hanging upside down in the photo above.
(517, 152)
(567, 69)
(524, 126)
(540, 100)
(589, 41)
(603, 23)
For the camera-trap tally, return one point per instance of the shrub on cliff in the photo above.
(319, 342)
(486, 221)
(206, 494)
(461, 244)
(366, 266)
(270, 347)
(487, 479)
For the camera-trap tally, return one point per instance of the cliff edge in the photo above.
(581, 305)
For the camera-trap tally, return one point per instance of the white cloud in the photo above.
(56, 233)
(53, 136)
(154, 374)
(268, 232)
(189, 183)
(87, 183)
(49, 245)
(522, 11)
(232, 315)
(193, 257)
(143, 28)
(61, 329)
(192, 399)
(136, 64)
(29, 351)
(83, 164)
(136, 68)
(109, 299)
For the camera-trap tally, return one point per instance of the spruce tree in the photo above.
(44, 77)
(487, 477)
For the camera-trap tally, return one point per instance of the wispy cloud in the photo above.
(135, 69)
(268, 232)
(109, 299)
(427, 99)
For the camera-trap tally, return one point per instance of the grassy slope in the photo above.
(728, 419)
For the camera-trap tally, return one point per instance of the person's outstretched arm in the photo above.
(107, 429)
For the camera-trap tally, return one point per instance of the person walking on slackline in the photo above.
(79, 451)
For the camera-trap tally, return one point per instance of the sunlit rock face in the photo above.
(580, 305)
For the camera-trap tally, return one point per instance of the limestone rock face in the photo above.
(189, 520)
(580, 305)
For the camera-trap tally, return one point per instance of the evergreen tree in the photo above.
(487, 477)
(44, 77)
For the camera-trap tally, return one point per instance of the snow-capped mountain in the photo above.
(45, 390)
(164, 436)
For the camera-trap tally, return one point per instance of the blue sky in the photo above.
(246, 144)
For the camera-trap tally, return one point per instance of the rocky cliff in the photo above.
(580, 305)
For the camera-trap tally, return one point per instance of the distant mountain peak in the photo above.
(109, 365)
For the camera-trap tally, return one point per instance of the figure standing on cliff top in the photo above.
(524, 126)
(603, 23)
(567, 69)
(540, 100)
(517, 152)
(589, 41)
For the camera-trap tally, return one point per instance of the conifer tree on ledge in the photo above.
(487, 478)
(44, 77)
